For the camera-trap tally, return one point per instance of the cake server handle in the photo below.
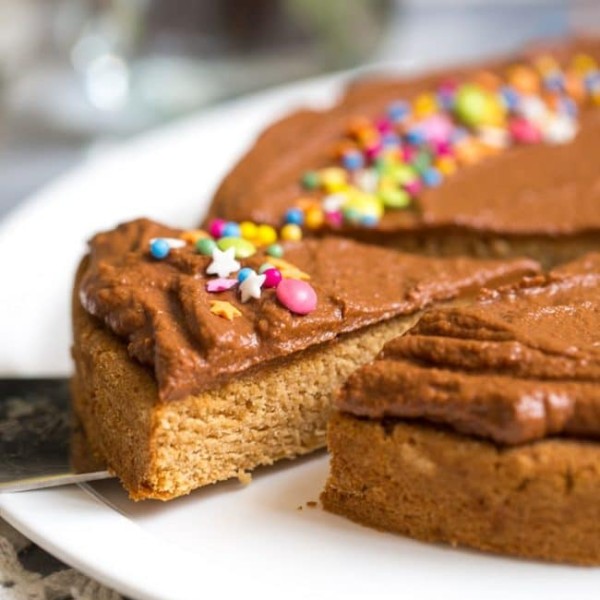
(41, 445)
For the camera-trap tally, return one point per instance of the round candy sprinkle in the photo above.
(395, 198)
(206, 246)
(231, 229)
(291, 233)
(159, 248)
(265, 267)
(353, 160)
(216, 228)
(275, 250)
(248, 230)
(431, 177)
(265, 235)
(398, 110)
(471, 104)
(244, 274)
(243, 248)
(310, 180)
(314, 218)
(294, 216)
(273, 278)
(297, 296)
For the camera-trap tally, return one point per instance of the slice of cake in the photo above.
(481, 426)
(492, 160)
(199, 358)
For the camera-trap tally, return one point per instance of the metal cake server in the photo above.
(39, 444)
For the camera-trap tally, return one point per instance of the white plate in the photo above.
(229, 539)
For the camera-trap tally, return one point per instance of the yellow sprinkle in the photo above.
(193, 235)
(314, 218)
(224, 309)
(333, 179)
(583, 63)
(291, 233)
(425, 105)
(248, 230)
(287, 269)
(446, 165)
(265, 235)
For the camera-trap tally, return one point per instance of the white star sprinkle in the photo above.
(223, 263)
(250, 287)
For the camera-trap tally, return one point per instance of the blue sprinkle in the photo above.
(390, 139)
(353, 161)
(415, 136)
(458, 134)
(555, 82)
(568, 106)
(592, 82)
(231, 229)
(294, 216)
(244, 274)
(431, 177)
(369, 220)
(510, 97)
(445, 99)
(159, 248)
(398, 110)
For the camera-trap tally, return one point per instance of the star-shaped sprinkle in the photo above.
(220, 284)
(250, 287)
(224, 309)
(288, 270)
(223, 262)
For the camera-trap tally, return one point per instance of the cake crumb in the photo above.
(311, 504)
(244, 477)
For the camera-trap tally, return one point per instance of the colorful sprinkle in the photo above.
(288, 270)
(223, 263)
(220, 284)
(294, 216)
(193, 236)
(291, 233)
(206, 246)
(224, 309)
(275, 250)
(297, 296)
(248, 230)
(216, 228)
(265, 235)
(159, 248)
(251, 286)
(231, 229)
(273, 277)
(243, 248)
(244, 274)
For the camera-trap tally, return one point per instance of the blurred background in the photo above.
(78, 76)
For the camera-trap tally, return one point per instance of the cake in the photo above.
(481, 426)
(198, 359)
(494, 160)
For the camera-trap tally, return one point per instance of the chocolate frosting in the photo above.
(526, 190)
(520, 364)
(161, 307)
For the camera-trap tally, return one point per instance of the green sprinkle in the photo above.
(310, 180)
(206, 246)
(275, 250)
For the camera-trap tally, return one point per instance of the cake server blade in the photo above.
(40, 443)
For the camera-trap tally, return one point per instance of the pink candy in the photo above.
(437, 128)
(297, 296)
(335, 218)
(524, 131)
(272, 278)
(220, 284)
(216, 227)
(413, 187)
